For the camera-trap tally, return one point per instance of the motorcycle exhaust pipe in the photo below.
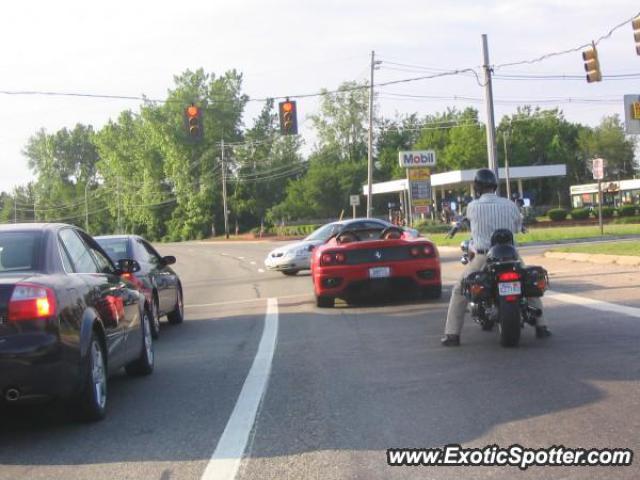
(12, 395)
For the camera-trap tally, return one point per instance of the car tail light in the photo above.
(31, 302)
(508, 276)
(424, 250)
(333, 258)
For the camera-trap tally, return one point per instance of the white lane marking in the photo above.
(260, 270)
(253, 263)
(240, 258)
(236, 302)
(594, 304)
(225, 461)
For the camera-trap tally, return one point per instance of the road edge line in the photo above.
(594, 304)
(226, 458)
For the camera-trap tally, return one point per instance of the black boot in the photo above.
(450, 340)
(542, 332)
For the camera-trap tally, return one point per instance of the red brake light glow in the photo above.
(31, 302)
(422, 250)
(508, 276)
(332, 258)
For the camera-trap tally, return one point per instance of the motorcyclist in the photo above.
(488, 213)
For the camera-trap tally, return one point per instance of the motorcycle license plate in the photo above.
(379, 272)
(509, 288)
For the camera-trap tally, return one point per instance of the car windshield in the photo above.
(116, 248)
(19, 251)
(324, 232)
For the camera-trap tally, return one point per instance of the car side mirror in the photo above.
(168, 260)
(127, 265)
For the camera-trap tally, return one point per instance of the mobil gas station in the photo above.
(433, 191)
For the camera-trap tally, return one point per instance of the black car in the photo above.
(67, 318)
(160, 284)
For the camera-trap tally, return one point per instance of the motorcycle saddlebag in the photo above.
(536, 281)
(477, 286)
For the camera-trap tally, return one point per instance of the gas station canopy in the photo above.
(460, 178)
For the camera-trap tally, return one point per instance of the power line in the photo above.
(569, 50)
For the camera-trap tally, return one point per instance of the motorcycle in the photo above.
(499, 293)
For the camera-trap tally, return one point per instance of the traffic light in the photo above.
(288, 118)
(635, 24)
(193, 122)
(592, 64)
(635, 110)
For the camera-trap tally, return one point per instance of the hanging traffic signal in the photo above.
(193, 122)
(635, 24)
(288, 117)
(592, 64)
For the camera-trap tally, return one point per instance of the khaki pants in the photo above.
(458, 302)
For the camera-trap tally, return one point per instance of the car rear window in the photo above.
(116, 248)
(19, 251)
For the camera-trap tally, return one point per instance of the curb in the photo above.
(600, 259)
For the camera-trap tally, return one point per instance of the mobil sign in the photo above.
(417, 158)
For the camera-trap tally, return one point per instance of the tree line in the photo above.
(140, 174)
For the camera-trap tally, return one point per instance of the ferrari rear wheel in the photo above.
(325, 302)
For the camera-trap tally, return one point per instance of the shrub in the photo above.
(607, 212)
(580, 213)
(557, 214)
(627, 220)
(627, 211)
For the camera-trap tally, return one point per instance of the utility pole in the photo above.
(15, 207)
(491, 124)
(119, 202)
(224, 193)
(370, 143)
(86, 208)
(506, 165)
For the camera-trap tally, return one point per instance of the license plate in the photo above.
(509, 288)
(379, 272)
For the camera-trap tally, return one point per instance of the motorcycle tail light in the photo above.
(512, 298)
(508, 276)
(476, 289)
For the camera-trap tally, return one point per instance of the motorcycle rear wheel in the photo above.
(508, 323)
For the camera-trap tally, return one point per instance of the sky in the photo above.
(287, 47)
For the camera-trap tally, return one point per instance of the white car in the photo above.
(293, 257)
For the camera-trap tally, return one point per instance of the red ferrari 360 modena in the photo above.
(356, 262)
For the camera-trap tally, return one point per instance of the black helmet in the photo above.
(502, 253)
(484, 180)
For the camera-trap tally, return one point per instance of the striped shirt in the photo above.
(489, 213)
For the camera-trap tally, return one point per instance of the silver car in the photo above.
(293, 257)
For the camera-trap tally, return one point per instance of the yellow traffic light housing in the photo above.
(193, 122)
(635, 110)
(635, 24)
(288, 117)
(592, 64)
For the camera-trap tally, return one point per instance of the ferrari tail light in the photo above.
(423, 250)
(508, 276)
(31, 302)
(333, 258)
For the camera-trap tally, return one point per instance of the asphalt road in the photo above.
(343, 385)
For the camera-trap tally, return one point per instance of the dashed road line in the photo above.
(226, 458)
